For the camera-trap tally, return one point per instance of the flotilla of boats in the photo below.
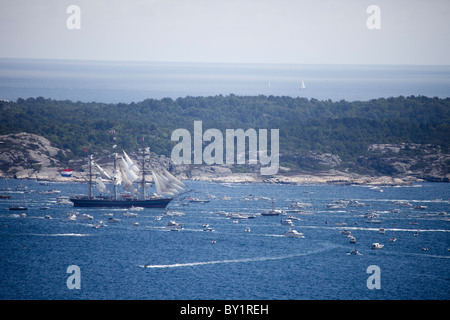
(289, 215)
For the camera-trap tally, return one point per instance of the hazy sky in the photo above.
(256, 31)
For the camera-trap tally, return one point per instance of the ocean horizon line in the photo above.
(223, 62)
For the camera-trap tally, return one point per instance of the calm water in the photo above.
(135, 81)
(261, 264)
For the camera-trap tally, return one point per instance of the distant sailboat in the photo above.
(302, 85)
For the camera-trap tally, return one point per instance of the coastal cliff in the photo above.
(29, 156)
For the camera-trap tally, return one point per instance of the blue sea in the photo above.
(114, 81)
(148, 261)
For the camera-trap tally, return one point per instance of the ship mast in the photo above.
(143, 173)
(115, 176)
(90, 176)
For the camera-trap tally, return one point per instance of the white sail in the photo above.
(126, 173)
(157, 184)
(131, 175)
(117, 177)
(160, 188)
(127, 185)
(101, 186)
(103, 172)
(173, 180)
(166, 185)
(302, 85)
(131, 165)
(161, 185)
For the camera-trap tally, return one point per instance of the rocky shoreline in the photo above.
(28, 156)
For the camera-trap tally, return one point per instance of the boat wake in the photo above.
(376, 229)
(55, 234)
(202, 263)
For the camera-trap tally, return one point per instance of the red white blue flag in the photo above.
(66, 173)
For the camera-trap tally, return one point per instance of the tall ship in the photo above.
(133, 180)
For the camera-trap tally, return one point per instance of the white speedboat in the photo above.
(272, 212)
(136, 208)
(355, 203)
(174, 226)
(403, 203)
(352, 240)
(85, 216)
(129, 214)
(287, 222)
(293, 234)
(206, 227)
(238, 215)
(199, 200)
(377, 245)
(247, 229)
(53, 191)
(335, 206)
(172, 213)
(346, 232)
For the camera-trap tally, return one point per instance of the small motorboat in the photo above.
(174, 226)
(272, 212)
(381, 231)
(206, 227)
(287, 222)
(199, 200)
(354, 252)
(377, 245)
(85, 216)
(352, 240)
(17, 208)
(129, 214)
(293, 234)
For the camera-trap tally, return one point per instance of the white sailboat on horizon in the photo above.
(302, 85)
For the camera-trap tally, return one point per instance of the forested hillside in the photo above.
(341, 128)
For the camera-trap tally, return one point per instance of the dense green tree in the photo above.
(342, 127)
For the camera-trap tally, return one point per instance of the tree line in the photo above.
(340, 127)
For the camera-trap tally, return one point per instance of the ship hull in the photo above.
(126, 203)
